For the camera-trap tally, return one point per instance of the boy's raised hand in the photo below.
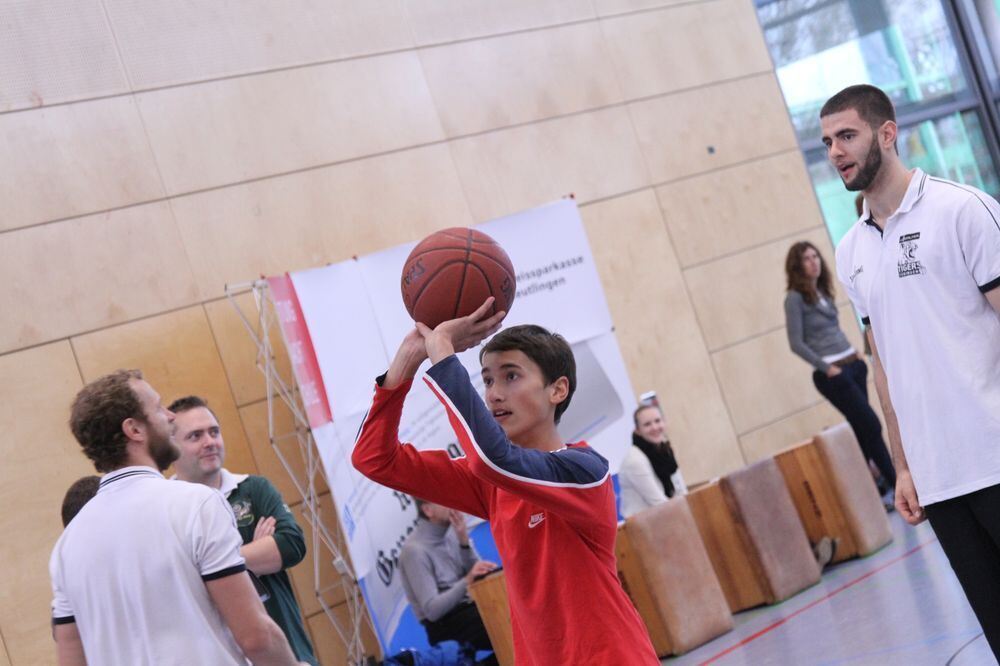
(456, 335)
(411, 353)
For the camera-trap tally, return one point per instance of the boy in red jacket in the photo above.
(551, 505)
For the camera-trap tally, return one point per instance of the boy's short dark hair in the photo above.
(187, 403)
(549, 351)
(81, 492)
(873, 105)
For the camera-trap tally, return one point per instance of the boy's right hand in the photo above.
(457, 335)
(411, 353)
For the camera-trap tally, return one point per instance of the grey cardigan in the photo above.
(813, 330)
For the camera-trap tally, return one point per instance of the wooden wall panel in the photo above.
(762, 382)
(309, 219)
(658, 332)
(238, 350)
(798, 427)
(40, 461)
(167, 42)
(736, 208)
(699, 130)
(611, 7)
(34, 73)
(743, 294)
(593, 155)
(679, 47)
(72, 160)
(302, 576)
(518, 78)
(90, 272)
(298, 118)
(437, 21)
(178, 357)
(254, 418)
(329, 647)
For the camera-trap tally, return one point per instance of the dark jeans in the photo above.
(968, 528)
(461, 624)
(848, 392)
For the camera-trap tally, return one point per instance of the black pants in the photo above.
(968, 528)
(461, 624)
(848, 392)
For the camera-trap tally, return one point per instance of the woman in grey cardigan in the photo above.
(839, 373)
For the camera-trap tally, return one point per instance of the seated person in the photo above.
(649, 475)
(437, 564)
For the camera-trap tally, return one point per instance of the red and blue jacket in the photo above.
(552, 515)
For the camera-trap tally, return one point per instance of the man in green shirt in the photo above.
(272, 540)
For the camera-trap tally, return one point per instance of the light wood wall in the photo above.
(152, 151)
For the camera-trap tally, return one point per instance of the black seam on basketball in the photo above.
(448, 234)
(465, 271)
(489, 286)
(498, 263)
(429, 278)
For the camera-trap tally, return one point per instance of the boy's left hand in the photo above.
(457, 335)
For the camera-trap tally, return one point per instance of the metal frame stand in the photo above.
(324, 544)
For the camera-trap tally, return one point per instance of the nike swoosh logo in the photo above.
(536, 520)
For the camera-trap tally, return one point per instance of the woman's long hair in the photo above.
(797, 279)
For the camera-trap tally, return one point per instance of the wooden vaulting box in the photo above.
(754, 537)
(833, 492)
(664, 568)
(490, 595)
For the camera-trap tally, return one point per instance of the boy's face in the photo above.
(518, 396)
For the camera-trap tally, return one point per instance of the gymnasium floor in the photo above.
(902, 605)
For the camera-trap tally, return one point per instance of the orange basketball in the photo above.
(451, 272)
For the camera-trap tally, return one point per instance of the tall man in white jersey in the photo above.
(922, 267)
(149, 572)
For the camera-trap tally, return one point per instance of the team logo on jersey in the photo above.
(857, 271)
(535, 520)
(243, 512)
(908, 263)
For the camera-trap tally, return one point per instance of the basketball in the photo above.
(452, 272)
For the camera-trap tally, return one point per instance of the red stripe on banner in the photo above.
(771, 627)
(300, 350)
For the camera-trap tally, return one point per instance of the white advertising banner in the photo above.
(355, 318)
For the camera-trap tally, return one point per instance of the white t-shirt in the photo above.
(921, 286)
(130, 571)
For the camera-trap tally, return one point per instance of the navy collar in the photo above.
(126, 473)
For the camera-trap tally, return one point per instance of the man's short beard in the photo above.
(868, 171)
(163, 451)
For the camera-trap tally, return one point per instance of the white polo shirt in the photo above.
(130, 571)
(921, 284)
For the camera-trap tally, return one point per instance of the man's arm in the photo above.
(906, 493)
(280, 546)
(69, 647)
(262, 554)
(261, 640)
(993, 296)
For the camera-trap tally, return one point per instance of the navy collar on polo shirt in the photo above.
(134, 471)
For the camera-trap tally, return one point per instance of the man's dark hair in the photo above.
(549, 351)
(97, 414)
(81, 492)
(189, 402)
(873, 105)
